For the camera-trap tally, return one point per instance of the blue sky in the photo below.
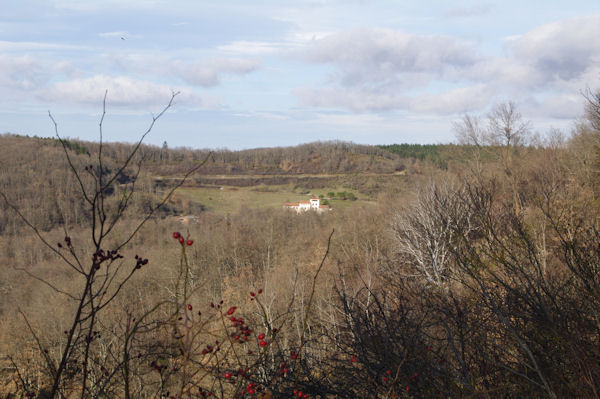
(274, 73)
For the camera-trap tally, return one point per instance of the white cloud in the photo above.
(564, 49)
(504, 73)
(253, 48)
(293, 41)
(560, 107)
(382, 69)
(28, 73)
(459, 100)
(66, 68)
(375, 68)
(354, 99)
(122, 91)
(208, 73)
(197, 72)
(375, 56)
(35, 46)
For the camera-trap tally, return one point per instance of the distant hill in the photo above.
(35, 175)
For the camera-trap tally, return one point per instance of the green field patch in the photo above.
(228, 199)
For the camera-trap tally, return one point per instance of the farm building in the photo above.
(314, 204)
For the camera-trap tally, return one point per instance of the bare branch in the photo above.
(592, 107)
(164, 201)
(69, 161)
(78, 268)
(506, 125)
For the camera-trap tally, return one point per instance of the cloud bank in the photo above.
(122, 91)
(378, 70)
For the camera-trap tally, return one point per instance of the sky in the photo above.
(278, 73)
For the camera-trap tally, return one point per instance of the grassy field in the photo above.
(230, 199)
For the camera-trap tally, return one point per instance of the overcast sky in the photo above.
(272, 73)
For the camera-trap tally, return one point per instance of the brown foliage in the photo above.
(511, 309)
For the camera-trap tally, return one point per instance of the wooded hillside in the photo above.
(35, 173)
(472, 273)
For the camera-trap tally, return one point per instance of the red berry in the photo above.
(228, 375)
(261, 336)
(260, 291)
(231, 310)
(181, 240)
(189, 242)
(262, 343)
(189, 306)
(251, 293)
(176, 235)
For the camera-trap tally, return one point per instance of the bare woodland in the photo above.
(474, 273)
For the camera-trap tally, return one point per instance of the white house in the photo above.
(314, 204)
(185, 220)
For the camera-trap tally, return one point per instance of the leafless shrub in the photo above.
(423, 233)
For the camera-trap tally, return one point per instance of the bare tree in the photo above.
(592, 108)
(469, 131)
(423, 233)
(506, 125)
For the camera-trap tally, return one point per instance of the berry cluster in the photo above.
(177, 235)
(300, 394)
(140, 262)
(67, 241)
